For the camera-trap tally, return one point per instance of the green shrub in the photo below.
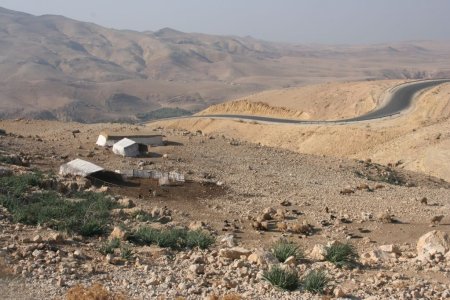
(199, 238)
(126, 252)
(16, 186)
(175, 238)
(109, 246)
(143, 216)
(283, 249)
(283, 279)
(342, 255)
(315, 282)
(88, 215)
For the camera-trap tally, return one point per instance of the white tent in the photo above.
(126, 147)
(79, 167)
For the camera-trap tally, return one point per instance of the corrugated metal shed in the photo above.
(79, 167)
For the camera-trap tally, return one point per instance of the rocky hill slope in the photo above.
(52, 67)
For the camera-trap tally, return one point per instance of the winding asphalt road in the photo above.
(398, 100)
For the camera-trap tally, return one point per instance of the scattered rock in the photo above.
(339, 292)
(318, 252)
(126, 203)
(234, 253)
(118, 233)
(385, 218)
(262, 258)
(390, 249)
(432, 243)
(197, 269)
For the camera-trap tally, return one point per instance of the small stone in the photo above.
(118, 233)
(262, 258)
(60, 282)
(318, 252)
(234, 253)
(197, 269)
(196, 225)
(37, 239)
(390, 249)
(126, 203)
(339, 292)
(77, 253)
(229, 240)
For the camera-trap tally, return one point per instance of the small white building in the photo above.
(126, 147)
(106, 139)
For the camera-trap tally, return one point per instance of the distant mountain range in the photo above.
(52, 67)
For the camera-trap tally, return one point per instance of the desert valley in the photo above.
(140, 165)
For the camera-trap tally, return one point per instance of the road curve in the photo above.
(399, 99)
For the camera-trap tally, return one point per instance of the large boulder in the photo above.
(432, 243)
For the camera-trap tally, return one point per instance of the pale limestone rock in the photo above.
(432, 243)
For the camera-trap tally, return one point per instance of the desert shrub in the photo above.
(342, 255)
(199, 238)
(315, 282)
(95, 292)
(283, 249)
(88, 215)
(283, 279)
(7, 159)
(16, 186)
(126, 252)
(143, 216)
(175, 238)
(109, 246)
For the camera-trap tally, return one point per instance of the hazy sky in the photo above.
(296, 21)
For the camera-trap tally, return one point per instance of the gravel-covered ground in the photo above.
(231, 184)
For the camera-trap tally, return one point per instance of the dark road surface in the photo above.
(401, 99)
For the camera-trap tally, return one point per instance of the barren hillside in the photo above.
(52, 67)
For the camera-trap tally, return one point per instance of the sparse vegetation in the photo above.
(109, 246)
(143, 216)
(199, 238)
(126, 252)
(7, 160)
(87, 214)
(315, 282)
(283, 249)
(175, 238)
(283, 279)
(342, 255)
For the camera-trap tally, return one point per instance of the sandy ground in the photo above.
(419, 138)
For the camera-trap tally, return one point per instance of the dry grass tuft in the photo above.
(95, 292)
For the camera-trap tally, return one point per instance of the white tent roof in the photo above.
(124, 143)
(79, 167)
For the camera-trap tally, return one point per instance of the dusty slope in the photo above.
(54, 67)
(419, 139)
(254, 178)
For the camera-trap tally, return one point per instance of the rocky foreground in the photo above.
(246, 198)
